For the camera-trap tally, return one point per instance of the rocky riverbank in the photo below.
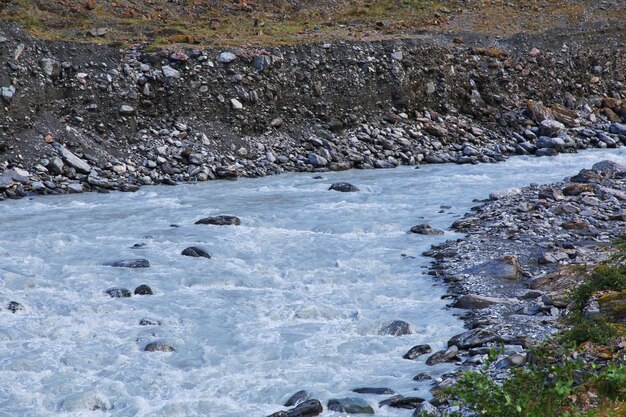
(81, 118)
(513, 273)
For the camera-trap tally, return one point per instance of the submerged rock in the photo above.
(129, 263)
(374, 391)
(343, 187)
(118, 292)
(350, 405)
(397, 328)
(221, 220)
(448, 355)
(14, 306)
(159, 347)
(308, 408)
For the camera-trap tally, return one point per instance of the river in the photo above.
(291, 299)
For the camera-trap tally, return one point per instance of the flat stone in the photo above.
(226, 57)
(169, 72)
(426, 409)
(475, 301)
(400, 401)
(72, 159)
(506, 267)
(374, 391)
(129, 263)
(425, 229)
(221, 220)
(350, 405)
(416, 351)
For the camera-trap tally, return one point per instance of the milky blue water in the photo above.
(292, 299)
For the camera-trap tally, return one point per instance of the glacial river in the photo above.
(293, 298)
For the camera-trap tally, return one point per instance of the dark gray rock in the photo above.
(350, 405)
(475, 301)
(397, 328)
(426, 409)
(423, 376)
(608, 166)
(297, 398)
(416, 351)
(473, 338)
(159, 347)
(149, 322)
(143, 289)
(129, 263)
(261, 62)
(448, 355)
(400, 401)
(425, 229)
(308, 408)
(374, 391)
(343, 187)
(221, 220)
(196, 252)
(118, 292)
(316, 160)
(505, 267)
(14, 307)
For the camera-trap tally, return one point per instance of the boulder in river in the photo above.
(118, 292)
(221, 220)
(416, 351)
(196, 252)
(400, 401)
(374, 391)
(309, 408)
(344, 187)
(159, 347)
(351, 405)
(143, 289)
(297, 398)
(397, 328)
(14, 307)
(425, 229)
(129, 263)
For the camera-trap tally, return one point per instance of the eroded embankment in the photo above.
(84, 117)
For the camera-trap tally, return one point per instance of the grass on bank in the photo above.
(581, 372)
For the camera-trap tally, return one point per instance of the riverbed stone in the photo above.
(221, 220)
(351, 405)
(196, 252)
(297, 398)
(426, 409)
(473, 338)
(397, 328)
(374, 391)
(118, 292)
(400, 401)
(416, 351)
(159, 347)
(425, 229)
(129, 263)
(343, 187)
(442, 356)
(506, 267)
(476, 301)
(143, 289)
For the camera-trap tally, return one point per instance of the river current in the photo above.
(291, 299)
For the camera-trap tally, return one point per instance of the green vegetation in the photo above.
(581, 372)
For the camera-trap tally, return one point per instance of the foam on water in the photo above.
(292, 299)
